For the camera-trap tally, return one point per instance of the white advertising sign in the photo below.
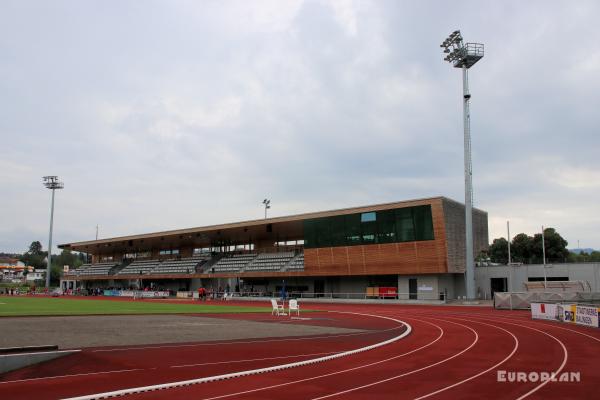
(544, 311)
(586, 315)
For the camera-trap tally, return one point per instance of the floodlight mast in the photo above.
(464, 56)
(51, 182)
(267, 204)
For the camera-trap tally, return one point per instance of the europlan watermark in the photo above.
(534, 376)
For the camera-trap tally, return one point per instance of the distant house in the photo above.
(12, 270)
(10, 262)
(36, 275)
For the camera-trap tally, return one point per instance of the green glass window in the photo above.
(353, 231)
(423, 223)
(338, 230)
(386, 226)
(400, 225)
(404, 225)
(323, 232)
(310, 236)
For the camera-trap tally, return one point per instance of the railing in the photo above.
(523, 300)
(325, 295)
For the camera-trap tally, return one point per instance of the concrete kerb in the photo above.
(11, 362)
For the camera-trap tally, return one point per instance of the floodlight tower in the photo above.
(267, 204)
(51, 182)
(464, 56)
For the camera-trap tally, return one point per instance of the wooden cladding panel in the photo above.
(422, 257)
(376, 259)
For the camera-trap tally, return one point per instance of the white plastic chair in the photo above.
(294, 306)
(277, 308)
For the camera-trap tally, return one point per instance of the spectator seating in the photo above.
(235, 263)
(181, 266)
(270, 261)
(93, 269)
(297, 263)
(139, 267)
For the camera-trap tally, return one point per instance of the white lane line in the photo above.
(245, 341)
(252, 359)
(555, 373)
(172, 366)
(279, 385)
(253, 371)
(548, 324)
(409, 372)
(516, 346)
(72, 375)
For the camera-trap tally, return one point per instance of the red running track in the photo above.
(451, 353)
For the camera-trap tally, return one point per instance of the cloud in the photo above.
(181, 114)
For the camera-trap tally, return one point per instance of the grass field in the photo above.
(30, 306)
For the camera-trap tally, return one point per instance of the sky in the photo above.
(161, 115)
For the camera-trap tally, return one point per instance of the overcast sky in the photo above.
(170, 114)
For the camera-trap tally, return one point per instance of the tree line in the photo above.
(36, 257)
(528, 249)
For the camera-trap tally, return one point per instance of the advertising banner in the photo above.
(544, 311)
(586, 315)
(566, 312)
(150, 294)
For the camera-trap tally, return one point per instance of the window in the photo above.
(166, 252)
(337, 227)
(423, 223)
(353, 231)
(323, 232)
(386, 226)
(404, 225)
(368, 217)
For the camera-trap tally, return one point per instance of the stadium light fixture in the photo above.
(51, 182)
(267, 204)
(465, 55)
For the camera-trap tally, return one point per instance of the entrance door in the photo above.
(412, 288)
(498, 285)
(319, 288)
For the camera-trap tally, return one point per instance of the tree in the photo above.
(520, 248)
(66, 257)
(499, 251)
(35, 248)
(555, 247)
(35, 256)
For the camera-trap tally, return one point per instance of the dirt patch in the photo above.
(127, 330)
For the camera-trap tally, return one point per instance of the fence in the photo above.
(523, 300)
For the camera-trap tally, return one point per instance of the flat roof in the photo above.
(289, 226)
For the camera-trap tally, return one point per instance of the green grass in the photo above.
(29, 306)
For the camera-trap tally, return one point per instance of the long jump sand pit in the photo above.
(125, 330)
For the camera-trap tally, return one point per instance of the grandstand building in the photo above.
(415, 248)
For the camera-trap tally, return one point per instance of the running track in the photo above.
(451, 353)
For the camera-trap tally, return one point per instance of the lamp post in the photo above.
(544, 258)
(51, 182)
(464, 56)
(267, 204)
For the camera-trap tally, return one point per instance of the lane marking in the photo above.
(246, 341)
(72, 375)
(516, 346)
(253, 359)
(253, 371)
(409, 372)
(336, 372)
(560, 368)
